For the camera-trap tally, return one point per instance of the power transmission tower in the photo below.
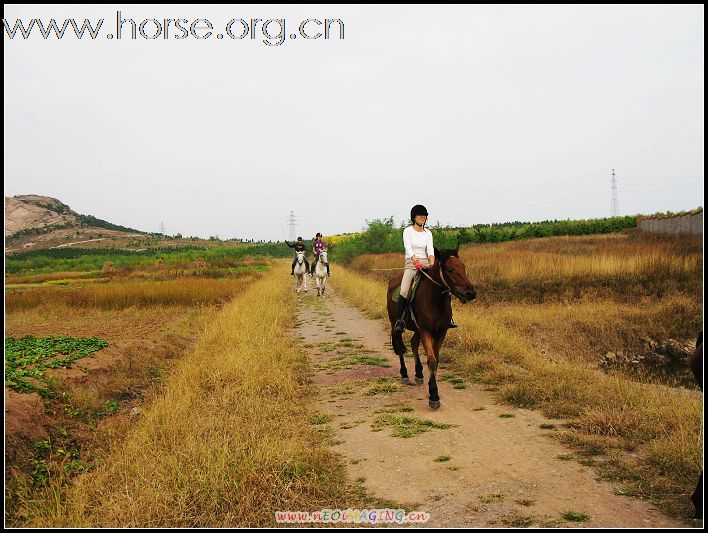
(614, 207)
(162, 228)
(292, 223)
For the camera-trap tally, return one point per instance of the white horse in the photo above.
(300, 270)
(321, 273)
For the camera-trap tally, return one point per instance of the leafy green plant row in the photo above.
(27, 359)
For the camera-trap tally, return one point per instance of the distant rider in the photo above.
(299, 247)
(318, 247)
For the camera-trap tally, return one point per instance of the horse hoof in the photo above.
(419, 381)
(434, 404)
(405, 381)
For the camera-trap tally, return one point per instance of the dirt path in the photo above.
(501, 470)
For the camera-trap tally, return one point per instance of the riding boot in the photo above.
(328, 272)
(400, 325)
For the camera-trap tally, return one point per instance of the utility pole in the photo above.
(292, 223)
(614, 207)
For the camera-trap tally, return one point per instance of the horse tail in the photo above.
(399, 347)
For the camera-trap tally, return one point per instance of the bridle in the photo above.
(326, 263)
(448, 289)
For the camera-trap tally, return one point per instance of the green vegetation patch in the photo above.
(319, 419)
(383, 386)
(27, 359)
(395, 408)
(407, 426)
(353, 360)
(572, 516)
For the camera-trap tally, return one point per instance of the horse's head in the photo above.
(323, 257)
(300, 257)
(453, 274)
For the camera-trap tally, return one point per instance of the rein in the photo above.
(447, 289)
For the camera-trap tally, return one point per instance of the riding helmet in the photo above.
(418, 210)
(318, 235)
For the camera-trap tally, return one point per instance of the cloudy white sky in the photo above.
(483, 114)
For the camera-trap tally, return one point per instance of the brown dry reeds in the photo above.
(184, 291)
(622, 267)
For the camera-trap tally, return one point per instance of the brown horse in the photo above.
(433, 310)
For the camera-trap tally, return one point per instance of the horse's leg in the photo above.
(433, 398)
(404, 370)
(415, 345)
(437, 344)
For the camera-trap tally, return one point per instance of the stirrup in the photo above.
(452, 324)
(399, 326)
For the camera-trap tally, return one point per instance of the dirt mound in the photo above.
(25, 421)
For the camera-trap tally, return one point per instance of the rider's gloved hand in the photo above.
(418, 265)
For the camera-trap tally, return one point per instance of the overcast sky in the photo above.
(482, 114)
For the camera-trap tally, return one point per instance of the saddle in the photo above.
(408, 315)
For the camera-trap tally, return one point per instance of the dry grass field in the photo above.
(198, 412)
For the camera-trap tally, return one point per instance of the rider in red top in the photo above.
(317, 247)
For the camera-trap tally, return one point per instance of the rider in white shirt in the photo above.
(420, 255)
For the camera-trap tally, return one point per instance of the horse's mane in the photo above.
(442, 256)
(447, 254)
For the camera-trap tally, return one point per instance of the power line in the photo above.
(672, 189)
(666, 178)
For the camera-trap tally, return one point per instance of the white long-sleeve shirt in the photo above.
(418, 243)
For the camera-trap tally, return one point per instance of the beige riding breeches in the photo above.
(409, 273)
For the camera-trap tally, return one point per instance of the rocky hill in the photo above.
(33, 221)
